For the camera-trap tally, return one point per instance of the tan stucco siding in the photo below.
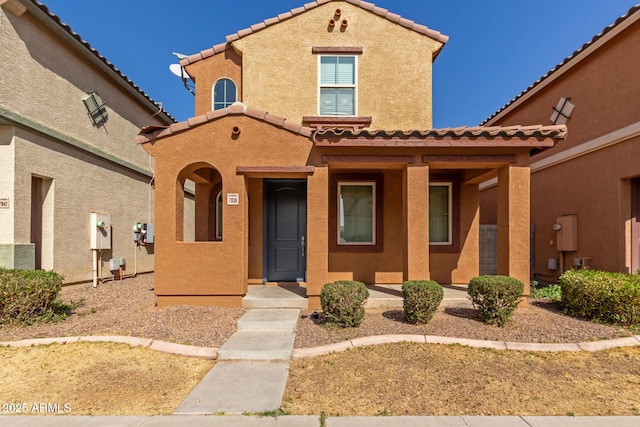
(280, 73)
(79, 185)
(45, 80)
(7, 166)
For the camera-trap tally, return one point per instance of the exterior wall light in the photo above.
(562, 111)
(96, 108)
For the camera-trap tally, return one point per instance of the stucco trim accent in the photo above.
(47, 132)
(352, 50)
(498, 160)
(596, 144)
(280, 170)
(369, 159)
(334, 122)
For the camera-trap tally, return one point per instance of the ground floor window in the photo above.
(356, 213)
(440, 209)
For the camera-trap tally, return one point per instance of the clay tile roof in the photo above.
(568, 59)
(153, 133)
(505, 132)
(97, 54)
(407, 23)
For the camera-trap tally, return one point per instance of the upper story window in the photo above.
(224, 93)
(337, 78)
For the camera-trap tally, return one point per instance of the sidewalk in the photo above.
(314, 421)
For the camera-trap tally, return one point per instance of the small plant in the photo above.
(29, 296)
(343, 302)
(551, 292)
(602, 296)
(421, 299)
(495, 297)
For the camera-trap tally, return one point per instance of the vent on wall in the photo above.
(96, 108)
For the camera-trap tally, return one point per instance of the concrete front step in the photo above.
(258, 345)
(261, 296)
(269, 319)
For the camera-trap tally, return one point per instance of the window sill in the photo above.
(337, 122)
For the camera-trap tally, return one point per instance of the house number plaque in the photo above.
(233, 199)
(4, 203)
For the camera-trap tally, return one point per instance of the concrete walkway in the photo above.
(252, 369)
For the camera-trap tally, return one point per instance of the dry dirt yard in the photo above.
(393, 379)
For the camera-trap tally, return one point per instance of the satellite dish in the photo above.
(179, 55)
(179, 71)
(187, 81)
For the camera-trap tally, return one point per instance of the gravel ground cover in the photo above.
(128, 308)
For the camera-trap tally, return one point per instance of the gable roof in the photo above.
(375, 137)
(370, 7)
(632, 15)
(42, 12)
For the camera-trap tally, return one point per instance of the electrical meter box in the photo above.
(143, 233)
(100, 231)
(567, 234)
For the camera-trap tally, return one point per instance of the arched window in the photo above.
(224, 93)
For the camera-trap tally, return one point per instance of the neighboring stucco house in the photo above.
(314, 159)
(589, 185)
(67, 121)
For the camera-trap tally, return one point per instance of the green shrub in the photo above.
(421, 299)
(601, 296)
(495, 297)
(343, 302)
(551, 292)
(26, 295)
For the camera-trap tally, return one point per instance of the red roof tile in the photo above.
(522, 132)
(395, 18)
(567, 60)
(152, 133)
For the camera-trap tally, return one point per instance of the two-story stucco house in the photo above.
(67, 121)
(585, 193)
(314, 159)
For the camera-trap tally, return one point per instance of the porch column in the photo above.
(317, 234)
(417, 222)
(513, 222)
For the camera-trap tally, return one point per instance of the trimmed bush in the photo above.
(601, 296)
(421, 299)
(343, 302)
(495, 297)
(25, 294)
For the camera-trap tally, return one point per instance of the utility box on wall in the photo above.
(567, 234)
(100, 231)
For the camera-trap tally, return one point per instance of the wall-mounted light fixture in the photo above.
(96, 108)
(562, 111)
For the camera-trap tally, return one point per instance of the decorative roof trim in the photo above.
(596, 42)
(153, 133)
(369, 7)
(526, 136)
(37, 9)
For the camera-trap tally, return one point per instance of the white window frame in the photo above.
(371, 184)
(213, 92)
(449, 185)
(354, 85)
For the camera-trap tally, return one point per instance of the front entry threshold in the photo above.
(278, 295)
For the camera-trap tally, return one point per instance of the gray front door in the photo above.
(285, 229)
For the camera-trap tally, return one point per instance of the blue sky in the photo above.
(497, 48)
